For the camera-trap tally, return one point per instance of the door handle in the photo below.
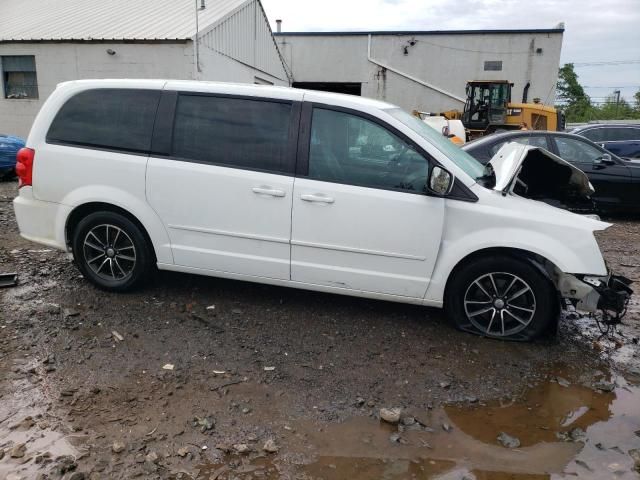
(268, 191)
(308, 197)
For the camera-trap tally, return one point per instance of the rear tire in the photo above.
(501, 297)
(111, 251)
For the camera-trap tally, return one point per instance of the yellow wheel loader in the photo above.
(488, 108)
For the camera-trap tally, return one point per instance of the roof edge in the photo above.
(419, 32)
(97, 40)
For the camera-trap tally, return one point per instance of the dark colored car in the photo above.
(616, 181)
(9, 146)
(622, 140)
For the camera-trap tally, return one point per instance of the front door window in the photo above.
(352, 150)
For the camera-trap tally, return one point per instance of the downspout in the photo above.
(410, 77)
(196, 44)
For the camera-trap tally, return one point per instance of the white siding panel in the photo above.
(246, 36)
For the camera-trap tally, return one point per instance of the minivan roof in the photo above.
(248, 89)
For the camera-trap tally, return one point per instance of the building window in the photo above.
(19, 76)
(493, 66)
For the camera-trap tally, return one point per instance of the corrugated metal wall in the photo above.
(245, 36)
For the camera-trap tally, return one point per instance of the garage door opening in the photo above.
(350, 88)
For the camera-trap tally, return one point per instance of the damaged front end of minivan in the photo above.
(605, 298)
(538, 174)
(535, 173)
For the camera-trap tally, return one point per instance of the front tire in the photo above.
(111, 251)
(501, 297)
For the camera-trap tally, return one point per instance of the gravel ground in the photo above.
(175, 380)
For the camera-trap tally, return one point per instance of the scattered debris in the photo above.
(635, 455)
(117, 447)
(70, 312)
(269, 369)
(18, 450)
(270, 446)
(8, 280)
(562, 382)
(183, 451)
(205, 423)
(446, 427)
(117, 336)
(508, 441)
(167, 366)
(390, 415)
(241, 448)
(408, 421)
(577, 434)
(604, 386)
(152, 457)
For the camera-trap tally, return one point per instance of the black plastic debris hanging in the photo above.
(613, 304)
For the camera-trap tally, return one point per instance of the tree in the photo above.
(614, 108)
(636, 97)
(568, 88)
(575, 103)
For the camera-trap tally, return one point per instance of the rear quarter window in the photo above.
(120, 119)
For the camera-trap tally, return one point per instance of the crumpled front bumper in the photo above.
(590, 294)
(614, 294)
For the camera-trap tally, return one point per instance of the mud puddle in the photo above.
(557, 430)
(32, 439)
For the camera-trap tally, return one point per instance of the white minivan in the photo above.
(327, 192)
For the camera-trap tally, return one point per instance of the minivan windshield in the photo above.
(461, 158)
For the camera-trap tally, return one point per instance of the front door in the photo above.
(361, 218)
(224, 193)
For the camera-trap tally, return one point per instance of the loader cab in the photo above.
(486, 104)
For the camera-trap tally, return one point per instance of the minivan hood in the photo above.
(534, 172)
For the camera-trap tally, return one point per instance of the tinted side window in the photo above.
(236, 132)
(596, 135)
(575, 151)
(350, 149)
(624, 134)
(121, 119)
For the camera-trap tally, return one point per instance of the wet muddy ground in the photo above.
(203, 378)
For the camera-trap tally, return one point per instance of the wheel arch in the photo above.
(545, 266)
(81, 211)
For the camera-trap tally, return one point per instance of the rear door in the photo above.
(613, 183)
(361, 218)
(223, 188)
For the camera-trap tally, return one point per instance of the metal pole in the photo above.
(617, 92)
(197, 41)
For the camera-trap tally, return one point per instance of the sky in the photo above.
(596, 31)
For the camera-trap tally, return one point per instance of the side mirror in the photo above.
(604, 159)
(440, 181)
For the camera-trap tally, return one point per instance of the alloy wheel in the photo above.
(109, 252)
(500, 304)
